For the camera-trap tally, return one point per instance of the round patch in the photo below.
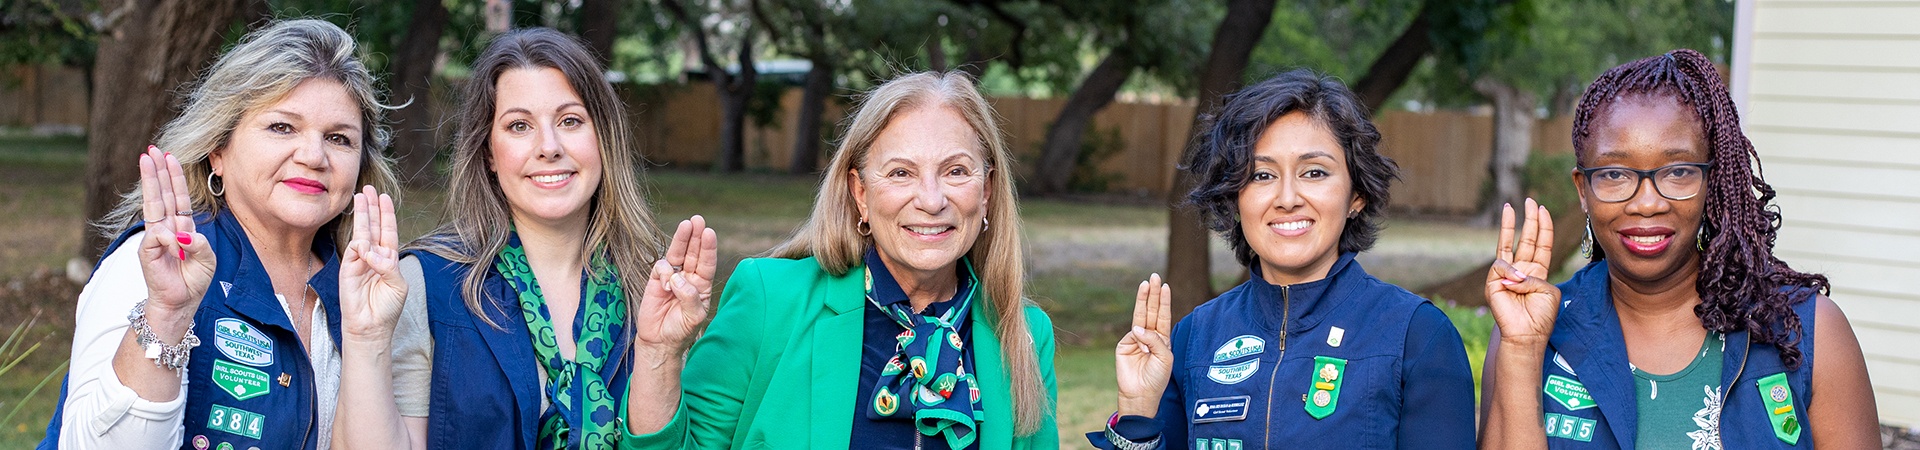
(1328, 373)
(919, 367)
(1779, 393)
(928, 397)
(200, 442)
(885, 402)
(1322, 398)
(954, 339)
(944, 385)
(225, 446)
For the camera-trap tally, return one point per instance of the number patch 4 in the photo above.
(235, 420)
(1570, 427)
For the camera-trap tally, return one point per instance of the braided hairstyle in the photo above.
(1742, 285)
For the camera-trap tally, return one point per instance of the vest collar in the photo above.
(1303, 304)
(250, 290)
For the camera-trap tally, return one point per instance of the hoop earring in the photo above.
(863, 228)
(215, 192)
(1586, 246)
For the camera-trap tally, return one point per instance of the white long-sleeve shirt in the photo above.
(100, 413)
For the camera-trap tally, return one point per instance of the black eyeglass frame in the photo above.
(1586, 173)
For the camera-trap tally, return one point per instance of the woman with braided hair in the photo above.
(1685, 331)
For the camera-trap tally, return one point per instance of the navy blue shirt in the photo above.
(879, 346)
(1246, 363)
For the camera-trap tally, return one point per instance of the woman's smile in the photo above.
(551, 179)
(1646, 241)
(305, 185)
(1291, 226)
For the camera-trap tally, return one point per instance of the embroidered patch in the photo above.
(1335, 335)
(1570, 427)
(242, 342)
(1221, 409)
(1568, 392)
(1233, 374)
(1238, 347)
(1216, 444)
(241, 382)
(235, 420)
(1778, 396)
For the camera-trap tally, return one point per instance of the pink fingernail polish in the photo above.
(185, 239)
(183, 254)
(1508, 282)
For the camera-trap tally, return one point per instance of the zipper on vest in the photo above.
(1286, 316)
(1728, 393)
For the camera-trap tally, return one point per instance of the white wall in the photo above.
(1834, 110)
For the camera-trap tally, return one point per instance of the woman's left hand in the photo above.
(679, 292)
(371, 289)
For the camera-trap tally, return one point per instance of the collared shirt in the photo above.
(879, 345)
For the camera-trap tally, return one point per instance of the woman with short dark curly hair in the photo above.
(1291, 177)
(1686, 331)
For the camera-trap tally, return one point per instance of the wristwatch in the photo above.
(171, 357)
(1121, 442)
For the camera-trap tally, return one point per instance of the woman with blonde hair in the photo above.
(508, 327)
(245, 193)
(894, 318)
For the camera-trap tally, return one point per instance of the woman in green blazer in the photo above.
(894, 318)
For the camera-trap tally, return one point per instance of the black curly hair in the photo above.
(1742, 285)
(1223, 162)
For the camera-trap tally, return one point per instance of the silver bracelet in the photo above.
(1121, 442)
(171, 357)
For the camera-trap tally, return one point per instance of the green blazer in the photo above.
(777, 368)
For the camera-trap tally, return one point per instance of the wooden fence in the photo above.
(1442, 155)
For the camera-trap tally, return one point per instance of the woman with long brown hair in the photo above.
(516, 326)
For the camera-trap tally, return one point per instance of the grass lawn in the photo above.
(1085, 257)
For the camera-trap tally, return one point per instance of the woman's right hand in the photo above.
(1143, 361)
(679, 292)
(1524, 304)
(176, 261)
(372, 292)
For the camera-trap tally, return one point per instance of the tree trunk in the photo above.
(150, 49)
(1187, 255)
(599, 23)
(1393, 66)
(1513, 122)
(415, 142)
(736, 95)
(813, 105)
(1062, 147)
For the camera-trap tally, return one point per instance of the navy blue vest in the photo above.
(249, 383)
(486, 388)
(1588, 350)
(1238, 382)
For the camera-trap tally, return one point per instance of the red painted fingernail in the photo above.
(185, 239)
(183, 254)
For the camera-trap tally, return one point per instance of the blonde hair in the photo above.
(259, 71)
(479, 216)
(830, 236)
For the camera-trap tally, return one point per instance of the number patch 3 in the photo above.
(235, 420)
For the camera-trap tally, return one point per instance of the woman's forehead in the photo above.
(1647, 126)
(926, 135)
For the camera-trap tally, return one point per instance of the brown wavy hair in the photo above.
(1742, 285)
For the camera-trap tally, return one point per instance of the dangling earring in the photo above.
(1586, 246)
(984, 224)
(863, 228)
(1700, 240)
(216, 192)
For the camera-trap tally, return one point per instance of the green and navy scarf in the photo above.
(583, 408)
(928, 370)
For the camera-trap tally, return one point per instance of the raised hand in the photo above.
(371, 289)
(1143, 361)
(1524, 304)
(679, 292)
(176, 261)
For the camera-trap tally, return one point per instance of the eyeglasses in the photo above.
(952, 176)
(1678, 181)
